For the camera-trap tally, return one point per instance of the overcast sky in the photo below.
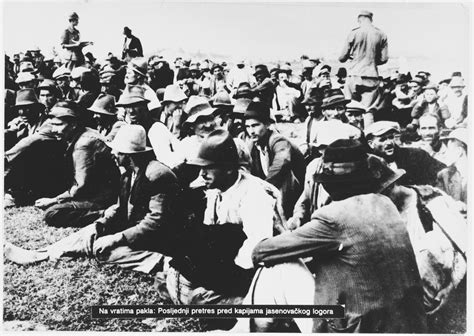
(432, 35)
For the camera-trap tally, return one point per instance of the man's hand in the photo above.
(45, 202)
(104, 245)
(442, 297)
(293, 223)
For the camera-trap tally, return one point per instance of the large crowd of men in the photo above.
(180, 170)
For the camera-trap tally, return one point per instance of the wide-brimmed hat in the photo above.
(345, 161)
(130, 139)
(26, 97)
(64, 109)
(332, 130)
(48, 84)
(218, 148)
(457, 81)
(382, 173)
(460, 134)
(221, 98)
(173, 93)
(61, 72)
(133, 94)
(24, 77)
(334, 97)
(356, 107)
(139, 65)
(240, 106)
(104, 104)
(198, 107)
(259, 111)
(243, 91)
(379, 128)
(260, 69)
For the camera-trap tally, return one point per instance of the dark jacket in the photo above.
(286, 170)
(363, 259)
(92, 172)
(420, 167)
(265, 91)
(134, 44)
(421, 108)
(146, 209)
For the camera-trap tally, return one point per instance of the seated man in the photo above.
(384, 137)
(213, 262)
(130, 232)
(429, 105)
(274, 158)
(362, 247)
(429, 131)
(91, 171)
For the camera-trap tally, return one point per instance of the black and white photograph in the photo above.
(237, 166)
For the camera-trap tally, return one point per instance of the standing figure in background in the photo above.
(131, 42)
(70, 40)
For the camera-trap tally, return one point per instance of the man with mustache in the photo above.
(384, 139)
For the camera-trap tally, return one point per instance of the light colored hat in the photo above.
(320, 69)
(307, 64)
(457, 82)
(173, 93)
(459, 134)
(221, 98)
(61, 72)
(130, 139)
(104, 104)
(78, 72)
(381, 127)
(139, 65)
(197, 107)
(26, 67)
(24, 77)
(332, 130)
(355, 106)
(131, 95)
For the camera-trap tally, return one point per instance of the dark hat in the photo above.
(456, 74)
(26, 97)
(424, 73)
(218, 148)
(217, 66)
(126, 30)
(445, 81)
(259, 111)
(382, 173)
(334, 97)
(73, 16)
(261, 68)
(89, 56)
(402, 79)
(431, 86)
(345, 161)
(341, 72)
(132, 94)
(104, 104)
(65, 109)
(243, 91)
(366, 13)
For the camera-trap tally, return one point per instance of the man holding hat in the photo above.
(130, 232)
(366, 47)
(383, 293)
(453, 179)
(131, 42)
(383, 138)
(212, 264)
(91, 170)
(136, 75)
(274, 158)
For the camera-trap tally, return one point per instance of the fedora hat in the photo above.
(218, 148)
(26, 97)
(333, 130)
(47, 84)
(334, 97)
(457, 81)
(24, 77)
(173, 93)
(139, 65)
(130, 139)
(261, 68)
(259, 111)
(356, 107)
(240, 106)
(61, 72)
(104, 104)
(198, 107)
(77, 72)
(243, 91)
(63, 109)
(382, 173)
(133, 94)
(221, 98)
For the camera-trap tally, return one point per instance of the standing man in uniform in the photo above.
(366, 47)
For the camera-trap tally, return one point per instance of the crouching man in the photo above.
(131, 232)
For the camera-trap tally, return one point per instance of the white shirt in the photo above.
(251, 202)
(165, 144)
